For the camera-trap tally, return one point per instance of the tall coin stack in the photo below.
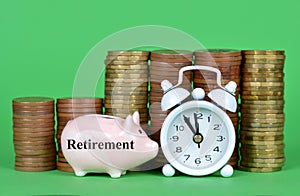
(126, 84)
(165, 65)
(261, 135)
(229, 63)
(67, 109)
(33, 125)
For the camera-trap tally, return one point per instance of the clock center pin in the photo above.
(198, 138)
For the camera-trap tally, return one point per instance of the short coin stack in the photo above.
(68, 109)
(33, 125)
(126, 84)
(165, 65)
(261, 135)
(229, 63)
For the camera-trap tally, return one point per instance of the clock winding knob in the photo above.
(231, 87)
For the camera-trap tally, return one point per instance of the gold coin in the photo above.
(263, 93)
(248, 79)
(262, 129)
(273, 102)
(261, 165)
(261, 138)
(128, 89)
(261, 106)
(264, 116)
(133, 65)
(262, 88)
(126, 58)
(260, 133)
(126, 76)
(121, 101)
(262, 75)
(261, 142)
(261, 97)
(265, 152)
(264, 60)
(263, 147)
(132, 106)
(263, 52)
(120, 62)
(257, 160)
(259, 66)
(134, 80)
(126, 71)
(260, 122)
(118, 90)
(260, 169)
(125, 84)
(128, 53)
(263, 84)
(124, 97)
(265, 56)
(262, 156)
(262, 70)
(261, 111)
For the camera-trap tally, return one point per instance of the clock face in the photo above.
(197, 138)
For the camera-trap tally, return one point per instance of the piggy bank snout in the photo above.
(152, 149)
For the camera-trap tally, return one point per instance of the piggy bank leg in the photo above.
(114, 173)
(124, 172)
(79, 172)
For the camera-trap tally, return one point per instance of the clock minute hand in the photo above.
(196, 124)
(187, 121)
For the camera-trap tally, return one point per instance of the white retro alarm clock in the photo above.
(198, 137)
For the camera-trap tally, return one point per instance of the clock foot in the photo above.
(227, 171)
(168, 170)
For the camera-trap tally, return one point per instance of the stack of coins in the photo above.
(165, 65)
(261, 135)
(67, 109)
(229, 63)
(33, 125)
(126, 84)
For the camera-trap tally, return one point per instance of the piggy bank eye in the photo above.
(140, 131)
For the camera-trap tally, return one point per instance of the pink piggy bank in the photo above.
(106, 144)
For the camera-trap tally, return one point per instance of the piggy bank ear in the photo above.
(136, 117)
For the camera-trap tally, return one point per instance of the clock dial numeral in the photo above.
(208, 157)
(209, 118)
(220, 138)
(187, 156)
(217, 149)
(197, 161)
(178, 149)
(217, 127)
(198, 115)
(174, 138)
(179, 127)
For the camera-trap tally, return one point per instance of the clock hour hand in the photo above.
(188, 122)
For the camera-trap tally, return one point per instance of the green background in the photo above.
(42, 43)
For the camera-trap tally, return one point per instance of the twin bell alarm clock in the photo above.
(198, 137)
